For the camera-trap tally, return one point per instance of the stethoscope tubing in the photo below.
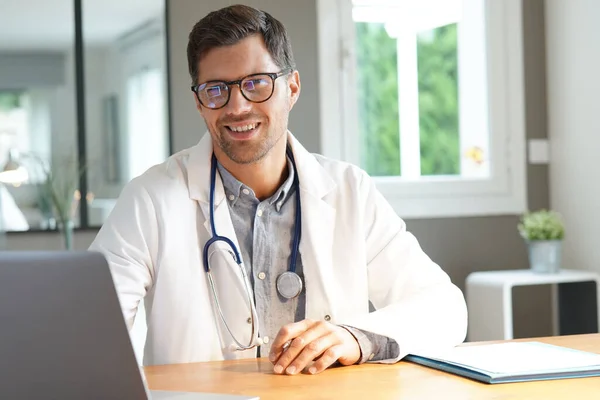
(254, 340)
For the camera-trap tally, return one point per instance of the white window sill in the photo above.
(453, 205)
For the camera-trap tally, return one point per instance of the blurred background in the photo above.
(114, 113)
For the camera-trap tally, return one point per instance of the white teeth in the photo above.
(243, 128)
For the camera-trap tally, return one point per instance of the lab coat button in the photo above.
(265, 339)
(327, 318)
(249, 320)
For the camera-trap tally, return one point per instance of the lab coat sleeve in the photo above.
(416, 303)
(128, 239)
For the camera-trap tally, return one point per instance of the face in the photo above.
(267, 121)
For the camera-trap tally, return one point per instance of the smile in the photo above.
(243, 128)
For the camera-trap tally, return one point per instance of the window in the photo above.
(14, 132)
(146, 121)
(126, 92)
(83, 107)
(428, 100)
(24, 124)
(24, 130)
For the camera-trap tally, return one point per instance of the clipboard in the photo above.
(511, 362)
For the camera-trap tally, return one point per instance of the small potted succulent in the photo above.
(543, 232)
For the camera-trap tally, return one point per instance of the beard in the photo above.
(253, 150)
(246, 152)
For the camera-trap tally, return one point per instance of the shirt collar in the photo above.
(235, 189)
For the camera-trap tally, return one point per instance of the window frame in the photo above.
(504, 193)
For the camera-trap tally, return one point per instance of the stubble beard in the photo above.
(255, 150)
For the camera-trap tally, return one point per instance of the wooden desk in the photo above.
(368, 381)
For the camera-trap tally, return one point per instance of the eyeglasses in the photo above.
(256, 88)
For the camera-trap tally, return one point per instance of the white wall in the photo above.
(573, 80)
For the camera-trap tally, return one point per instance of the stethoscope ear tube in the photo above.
(289, 285)
(254, 339)
(211, 210)
(298, 219)
(234, 252)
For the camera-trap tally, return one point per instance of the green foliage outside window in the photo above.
(9, 100)
(379, 127)
(438, 101)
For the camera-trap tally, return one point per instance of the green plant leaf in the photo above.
(541, 225)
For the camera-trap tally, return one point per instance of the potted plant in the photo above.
(58, 197)
(543, 232)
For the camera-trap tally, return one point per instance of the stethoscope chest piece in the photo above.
(289, 285)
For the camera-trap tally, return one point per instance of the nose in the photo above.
(238, 104)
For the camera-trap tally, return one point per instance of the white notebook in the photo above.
(512, 362)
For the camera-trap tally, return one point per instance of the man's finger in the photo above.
(311, 351)
(330, 356)
(286, 334)
(309, 338)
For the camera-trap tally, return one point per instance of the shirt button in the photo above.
(245, 191)
(265, 339)
(262, 275)
(231, 197)
(371, 356)
(249, 320)
(259, 213)
(327, 318)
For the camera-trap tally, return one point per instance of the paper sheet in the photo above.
(518, 357)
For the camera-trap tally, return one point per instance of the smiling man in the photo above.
(247, 245)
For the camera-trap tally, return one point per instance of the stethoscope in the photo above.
(289, 284)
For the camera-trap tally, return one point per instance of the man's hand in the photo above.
(310, 341)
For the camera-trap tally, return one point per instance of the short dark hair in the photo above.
(228, 26)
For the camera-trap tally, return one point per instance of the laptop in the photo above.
(63, 335)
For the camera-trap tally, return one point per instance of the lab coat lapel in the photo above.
(316, 244)
(227, 276)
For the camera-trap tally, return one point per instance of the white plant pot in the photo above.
(545, 256)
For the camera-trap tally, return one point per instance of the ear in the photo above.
(294, 88)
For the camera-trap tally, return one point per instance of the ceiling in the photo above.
(49, 24)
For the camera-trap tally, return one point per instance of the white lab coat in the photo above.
(354, 248)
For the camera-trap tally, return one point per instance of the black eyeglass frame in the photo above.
(229, 84)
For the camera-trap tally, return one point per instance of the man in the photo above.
(314, 239)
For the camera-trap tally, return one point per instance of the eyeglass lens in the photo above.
(256, 88)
